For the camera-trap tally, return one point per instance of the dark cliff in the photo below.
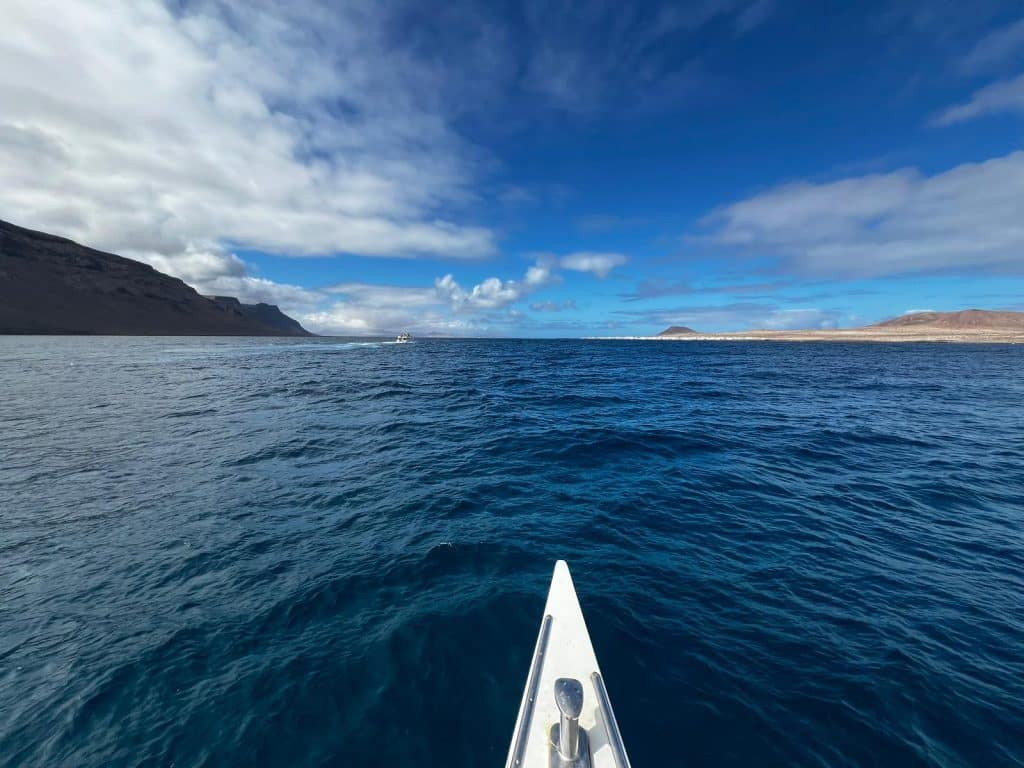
(51, 285)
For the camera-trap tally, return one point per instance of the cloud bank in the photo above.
(904, 222)
(179, 132)
(444, 308)
(292, 129)
(737, 316)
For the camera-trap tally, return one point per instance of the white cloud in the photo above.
(539, 275)
(597, 264)
(213, 271)
(995, 49)
(358, 308)
(353, 320)
(301, 128)
(1003, 96)
(289, 128)
(292, 299)
(386, 295)
(493, 293)
(737, 317)
(196, 265)
(445, 308)
(367, 309)
(795, 319)
(966, 218)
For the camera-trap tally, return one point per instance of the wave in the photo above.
(232, 552)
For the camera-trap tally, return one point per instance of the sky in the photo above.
(531, 169)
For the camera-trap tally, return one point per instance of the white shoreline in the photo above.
(954, 337)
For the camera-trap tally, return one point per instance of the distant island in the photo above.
(51, 285)
(967, 326)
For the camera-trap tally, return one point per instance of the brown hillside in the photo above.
(965, 320)
(677, 330)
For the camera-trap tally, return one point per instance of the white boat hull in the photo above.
(564, 650)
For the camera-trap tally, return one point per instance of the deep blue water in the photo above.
(311, 552)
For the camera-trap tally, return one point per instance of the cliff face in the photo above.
(267, 315)
(52, 285)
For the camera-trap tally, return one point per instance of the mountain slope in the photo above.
(677, 330)
(49, 284)
(964, 320)
(971, 324)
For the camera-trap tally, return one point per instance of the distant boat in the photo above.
(565, 719)
(403, 338)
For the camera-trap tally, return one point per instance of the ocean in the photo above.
(330, 552)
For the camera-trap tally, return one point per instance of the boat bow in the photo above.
(565, 718)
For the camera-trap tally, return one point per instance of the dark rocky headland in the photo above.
(51, 285)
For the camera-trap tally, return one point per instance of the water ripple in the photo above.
(331, 552)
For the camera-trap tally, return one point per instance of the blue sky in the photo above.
(532, 169)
